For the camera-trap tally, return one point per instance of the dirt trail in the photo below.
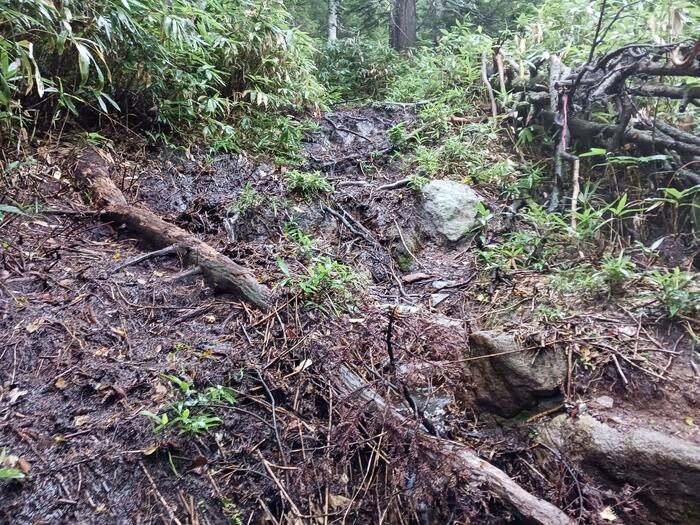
(86, 349)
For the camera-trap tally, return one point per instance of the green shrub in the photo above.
(354, 68)
(225, 71)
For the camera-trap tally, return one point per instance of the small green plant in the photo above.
(232, 511)
(8, 468)
(188, 415)
(616, 271)
(677, 292)
(676, 200)
(428, 159)
(295, 234)
(326, 284)
(307, 183)
(581, 278)
(417, 182)
(248, 199)
(6, 208)
(397, 134)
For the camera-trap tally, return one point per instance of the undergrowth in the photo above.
(221, 72)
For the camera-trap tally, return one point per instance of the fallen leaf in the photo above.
(15, 394)
(306, 363)
(608, 514)
(34, 325)
(150, 450)
(81, 421)
(210, 319)
(24, 465)
(689, 421)
(61, 383)
(417, 276)
(118, 331)
(336, 501)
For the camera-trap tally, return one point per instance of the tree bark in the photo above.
(219, 272)
(333, 20)
(402, 34)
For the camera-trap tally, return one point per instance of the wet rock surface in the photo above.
(666, 468)
(512, 379)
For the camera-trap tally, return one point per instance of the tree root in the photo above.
(464, 460)
(219, 272)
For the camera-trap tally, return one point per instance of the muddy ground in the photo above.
(86, 348)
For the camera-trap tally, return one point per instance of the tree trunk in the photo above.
(332, 20)
(402, 34)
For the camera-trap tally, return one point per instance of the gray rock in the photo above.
(516, 380)
(604, 401)
(450, 207)
(665, 467)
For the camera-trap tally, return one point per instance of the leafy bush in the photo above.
(221, 70)
(353, 68)
(647, 21)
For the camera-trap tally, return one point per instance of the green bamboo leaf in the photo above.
(83, 61)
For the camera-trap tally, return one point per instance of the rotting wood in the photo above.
(219, 271)
(529, 507)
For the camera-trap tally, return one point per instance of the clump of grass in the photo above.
(307, 183)
(248, 199)
(327, 284)
(299, 237)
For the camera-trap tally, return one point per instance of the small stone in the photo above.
(604, 401)
(439, 285)
(437, 298)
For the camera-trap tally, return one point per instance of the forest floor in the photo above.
(88, 347)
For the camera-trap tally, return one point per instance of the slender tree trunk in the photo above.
(333, 20)
(402, 33)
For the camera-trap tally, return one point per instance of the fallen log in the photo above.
(219, 272)
(529, 507)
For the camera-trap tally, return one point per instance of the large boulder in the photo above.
(512, 379)
(665, 467)
(451, 208)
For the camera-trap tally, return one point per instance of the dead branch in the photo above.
(219, 272)
(463, 460)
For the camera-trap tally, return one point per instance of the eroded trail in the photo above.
(394, 378)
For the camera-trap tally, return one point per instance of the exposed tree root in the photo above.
(572, 96)
(219, 272)
(464, 460)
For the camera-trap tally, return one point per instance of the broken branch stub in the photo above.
(219, 271)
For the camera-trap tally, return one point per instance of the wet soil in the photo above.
(86, 348)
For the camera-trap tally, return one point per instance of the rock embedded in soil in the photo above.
(451, 208)
(512, 379)
(666, 468)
